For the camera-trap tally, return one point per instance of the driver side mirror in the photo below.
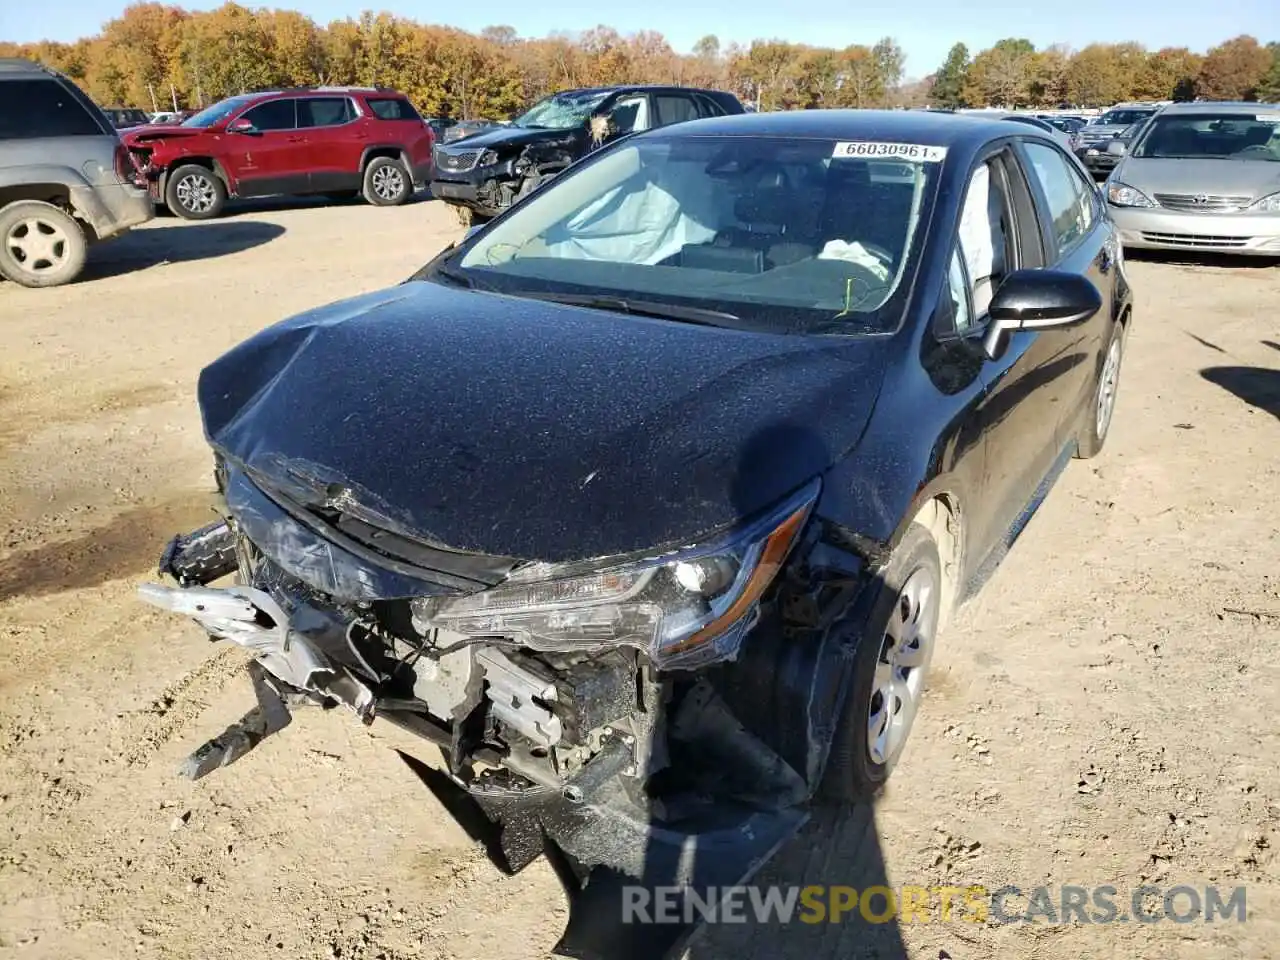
(1038, 300)
(1117, 148)
(241, 126)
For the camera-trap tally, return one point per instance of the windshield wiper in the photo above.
(642, 308)
(455, 277)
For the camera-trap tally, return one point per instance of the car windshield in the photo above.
(1122, 118)
(783, 235)
(219, 111)
(1232, 136)
(563, 111)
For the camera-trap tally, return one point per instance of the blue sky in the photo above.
(925, 28)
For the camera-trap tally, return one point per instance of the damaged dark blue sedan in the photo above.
(646, 501)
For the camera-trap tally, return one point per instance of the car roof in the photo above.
(11, 67)
(313, 91)
(1219, 107)
(901, 126)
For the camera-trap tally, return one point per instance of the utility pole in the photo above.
(173, 95)
(152, 90)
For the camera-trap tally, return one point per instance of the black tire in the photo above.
(853, 774)
(1091, 434)
(193, 192)
(40, 245)
(386, 182)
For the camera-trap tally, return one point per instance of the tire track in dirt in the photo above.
(183, 701)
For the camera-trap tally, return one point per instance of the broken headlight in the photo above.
(684, 608)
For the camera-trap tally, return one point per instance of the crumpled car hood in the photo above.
(529, 429)
(154, 131)
(513, 136)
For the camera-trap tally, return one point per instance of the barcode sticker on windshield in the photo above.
(922, 152)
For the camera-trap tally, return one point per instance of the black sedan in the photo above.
(647, 500)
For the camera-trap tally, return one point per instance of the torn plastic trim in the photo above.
(252, 619)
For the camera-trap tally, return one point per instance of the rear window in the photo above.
(392, 108)
(30, 109)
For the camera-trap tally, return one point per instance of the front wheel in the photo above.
(195, 193)
(386, 182)
(40, 245)
(890, 661)
(1096, 420)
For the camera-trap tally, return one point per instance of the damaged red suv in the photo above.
(334, 141)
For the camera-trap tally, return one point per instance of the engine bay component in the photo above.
(520, 698)
(202, 556)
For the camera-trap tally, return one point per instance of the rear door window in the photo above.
(392, 108)
(675, 108)
(708, 107)
(324, 111)
(273, 115)
(35, 108)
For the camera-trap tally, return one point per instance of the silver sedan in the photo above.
(1202, 177)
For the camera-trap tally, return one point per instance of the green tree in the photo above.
(1269, 89)
(952, 78)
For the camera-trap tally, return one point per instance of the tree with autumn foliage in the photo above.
(1234, 70)
(155, 55)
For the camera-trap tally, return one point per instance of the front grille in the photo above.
(1201, 203)
(1195, 240)
(457, 162)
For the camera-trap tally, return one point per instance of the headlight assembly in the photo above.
(684, 609)
(1123, 195)
(487, 159)
(1268, 204)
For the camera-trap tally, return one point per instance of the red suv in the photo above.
(336, 141)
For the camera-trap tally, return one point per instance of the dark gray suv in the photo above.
(66, 180)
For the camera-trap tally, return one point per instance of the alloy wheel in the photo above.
(37, 246)
(196, 193)
(388, 183)
(905, 652)
(1108, 383)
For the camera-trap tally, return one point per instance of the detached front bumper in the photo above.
(1153, 228)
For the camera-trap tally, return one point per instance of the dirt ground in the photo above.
(1104, 713)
